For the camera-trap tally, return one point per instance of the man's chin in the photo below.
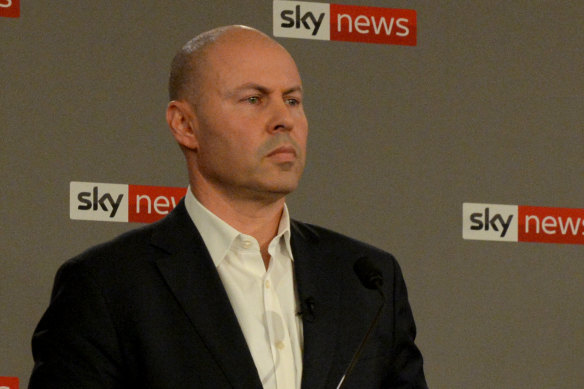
(282, 190)
(275, 191)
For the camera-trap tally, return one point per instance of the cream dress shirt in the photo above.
(264, 301)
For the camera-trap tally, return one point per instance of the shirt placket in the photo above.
(278, 331)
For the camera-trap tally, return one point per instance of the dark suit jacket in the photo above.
(148, 310)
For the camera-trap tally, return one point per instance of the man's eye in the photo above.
(292, 101)
(253, 100)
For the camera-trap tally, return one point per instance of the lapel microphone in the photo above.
(306, 309)
(371, 278)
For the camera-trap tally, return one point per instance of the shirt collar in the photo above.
(219, 236)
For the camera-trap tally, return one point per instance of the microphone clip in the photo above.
(307, 309)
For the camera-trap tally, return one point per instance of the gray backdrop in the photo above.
(488, 107)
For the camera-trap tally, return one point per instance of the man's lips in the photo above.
(286, 149)
(283, 153)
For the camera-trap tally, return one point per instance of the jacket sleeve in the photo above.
(75, 345)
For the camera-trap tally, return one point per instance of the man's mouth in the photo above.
(284, 153)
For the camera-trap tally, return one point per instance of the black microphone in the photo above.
(371, 278)
(307, 309)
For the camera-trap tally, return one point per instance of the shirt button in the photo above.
(268, 284)
(246, 244)
(280, 345)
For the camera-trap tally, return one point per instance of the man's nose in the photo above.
(281, 119)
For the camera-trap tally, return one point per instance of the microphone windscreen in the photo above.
(370, 276)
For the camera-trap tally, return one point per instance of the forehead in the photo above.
(249, 58)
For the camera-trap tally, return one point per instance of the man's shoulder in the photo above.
(142, 243)
(130, 245)
(326, 237)
(129, 240)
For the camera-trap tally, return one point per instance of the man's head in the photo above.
(236, 111)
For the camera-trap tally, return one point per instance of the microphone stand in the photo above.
(355, 358)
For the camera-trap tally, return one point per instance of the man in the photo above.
(227, 291)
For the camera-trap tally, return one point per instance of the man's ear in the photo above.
(182, 121)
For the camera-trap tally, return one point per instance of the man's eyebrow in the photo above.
(254, 86)
(264, 89)
(294, 89)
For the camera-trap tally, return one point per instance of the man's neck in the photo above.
(249, 216)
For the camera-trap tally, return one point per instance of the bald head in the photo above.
(188, 65)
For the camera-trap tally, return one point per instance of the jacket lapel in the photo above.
(193, 279)
(318, 280)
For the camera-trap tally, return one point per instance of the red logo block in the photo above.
(373, 25)
(10, 9)
(148, 204)
(8, 382)
(551, 225)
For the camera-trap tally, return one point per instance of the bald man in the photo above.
(228, 291)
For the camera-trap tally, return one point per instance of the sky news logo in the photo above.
(350, 23)
(8, 382)
(121, 202)
(520, 223)
(10, 8)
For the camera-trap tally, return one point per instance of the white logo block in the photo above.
(302, 19)
(100, 202)
(490, 222)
